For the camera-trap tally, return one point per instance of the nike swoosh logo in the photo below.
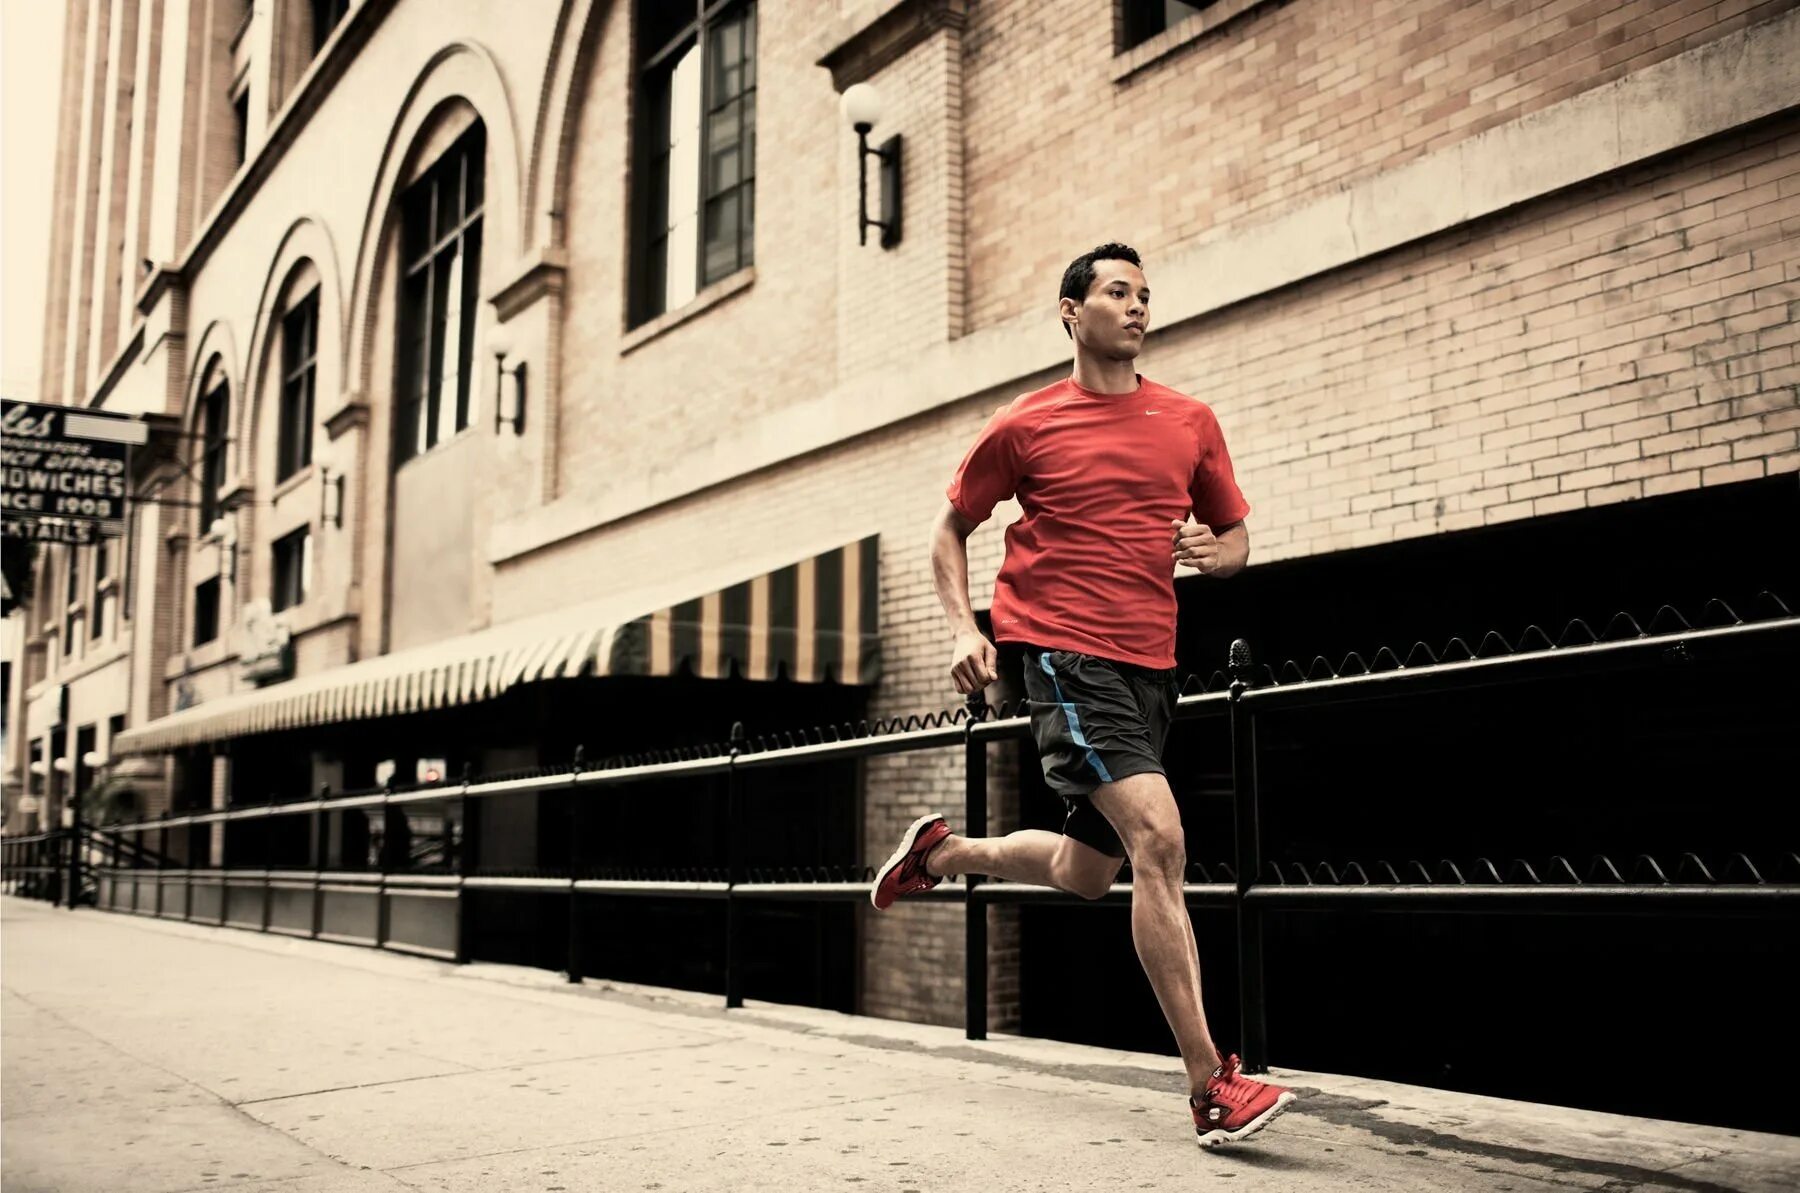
(1152, 412)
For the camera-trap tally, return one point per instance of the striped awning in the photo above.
(813, 621)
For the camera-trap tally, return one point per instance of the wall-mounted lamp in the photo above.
(331, 497)
(40, 768)
(509, 400)
(62, 766)
(862, 108)
(93, 760)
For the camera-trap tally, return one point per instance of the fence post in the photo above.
(465, 865)
(75, 852)
(575, 868)
(1252, 1009)
(975, 933)
(734, 873)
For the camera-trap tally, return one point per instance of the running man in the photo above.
(1120, 479)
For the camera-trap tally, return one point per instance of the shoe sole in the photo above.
(908, 839)
(1213, 1139)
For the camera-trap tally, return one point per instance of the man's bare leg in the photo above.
(1142, 809)
(1029, 855)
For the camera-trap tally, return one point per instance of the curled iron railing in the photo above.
(1686, 869)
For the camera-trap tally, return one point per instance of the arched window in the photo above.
(440, 278)
(215, 437)
(299, 367)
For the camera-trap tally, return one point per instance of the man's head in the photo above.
(1106, 302)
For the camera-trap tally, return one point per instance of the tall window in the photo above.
(299, 354)
(293, 570)
(441, 250)
(86, 739)
(215, 425)
(105, 594)
(1141, 20)
(325, 17)
(206, 611)
(695, 192)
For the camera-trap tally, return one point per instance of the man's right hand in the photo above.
(976, 663)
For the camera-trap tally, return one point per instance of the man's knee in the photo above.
(1088, 885)
(1082, 870)
(1159, 851)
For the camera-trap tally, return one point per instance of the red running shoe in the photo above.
(1234, 1106)
(905, 872)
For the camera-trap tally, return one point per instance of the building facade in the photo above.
(470, 329)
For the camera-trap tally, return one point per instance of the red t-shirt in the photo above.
(1100, 477)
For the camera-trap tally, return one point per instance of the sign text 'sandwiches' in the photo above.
(64, 472)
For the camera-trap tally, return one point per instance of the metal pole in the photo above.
(734, 874)
(74, 850)
(975, 933)
(574, 946)
(318, 856)
(465, 866)
(1252, 1011)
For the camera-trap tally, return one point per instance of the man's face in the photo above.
(1115, 316)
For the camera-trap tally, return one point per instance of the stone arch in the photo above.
(215, 355)
(566, 79)
(216, 343)
(459, 71)
(307, 240)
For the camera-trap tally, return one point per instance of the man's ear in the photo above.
(1071, 311)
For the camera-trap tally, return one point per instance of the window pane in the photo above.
(475, 179)
(1144, 19)
(415, 218)
(747, 241)
(414, 371)
(724, 167)
(446, 340)
(725, 60)
(293, 565)
(447, 182)
(471, 304)
(721, 236)
(306, 415)
(750, 46)
(748, 106)
(684, 180)
(206, 612)
(660, 22)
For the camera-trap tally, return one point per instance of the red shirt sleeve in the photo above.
(990, 472)
(1214, 491)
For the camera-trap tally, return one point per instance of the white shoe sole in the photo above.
(907, 840)
(1213, 1139)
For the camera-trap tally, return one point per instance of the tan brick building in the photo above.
(1437, 266)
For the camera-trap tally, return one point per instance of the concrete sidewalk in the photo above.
(155, 1056)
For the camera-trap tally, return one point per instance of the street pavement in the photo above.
(148, 1055)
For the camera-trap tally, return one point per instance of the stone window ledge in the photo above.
(696, 306)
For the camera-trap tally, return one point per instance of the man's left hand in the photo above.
(1196, 547)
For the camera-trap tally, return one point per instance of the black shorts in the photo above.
(1096, 720)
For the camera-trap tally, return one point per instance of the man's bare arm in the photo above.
(974, 663)
(1220, 554)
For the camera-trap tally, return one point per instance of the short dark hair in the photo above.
(1078, 278)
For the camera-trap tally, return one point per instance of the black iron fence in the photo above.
(414, 901)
